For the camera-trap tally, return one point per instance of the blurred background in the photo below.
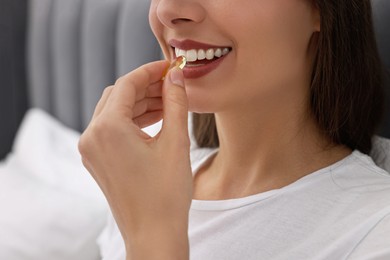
(13, 83)
(58, 56)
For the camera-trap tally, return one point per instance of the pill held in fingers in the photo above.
(180, 62)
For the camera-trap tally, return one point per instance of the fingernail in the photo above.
(176, 76)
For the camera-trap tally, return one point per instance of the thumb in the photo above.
(175, 107)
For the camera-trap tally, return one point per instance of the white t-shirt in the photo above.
(339, 212)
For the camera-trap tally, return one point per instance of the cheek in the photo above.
(270, 57)
(154, 23)
(275, 51)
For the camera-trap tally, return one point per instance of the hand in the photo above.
(147, 180)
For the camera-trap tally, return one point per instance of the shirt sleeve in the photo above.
(376, 245)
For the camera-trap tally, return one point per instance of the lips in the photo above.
(201, 54)
(202, 58)
(190, 44)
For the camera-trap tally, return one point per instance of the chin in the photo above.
(200, 101)
(200, 106)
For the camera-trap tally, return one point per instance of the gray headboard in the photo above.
(381, 10)
(78, 47)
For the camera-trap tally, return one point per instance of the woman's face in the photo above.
(263, 47)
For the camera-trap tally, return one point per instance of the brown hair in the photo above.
(346, 93)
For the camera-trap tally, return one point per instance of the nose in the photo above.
(174, 13)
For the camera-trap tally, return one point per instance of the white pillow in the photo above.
(51, 208)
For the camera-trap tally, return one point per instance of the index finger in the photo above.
(124, 95)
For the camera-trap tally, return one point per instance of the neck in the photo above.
(262, 151)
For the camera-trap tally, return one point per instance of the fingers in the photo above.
(154, 90)
(102, 102)
(149, 100)
(133, 87)
(147, 105)
(175, 106)
(148, 119)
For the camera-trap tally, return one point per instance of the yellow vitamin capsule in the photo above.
(180, 62)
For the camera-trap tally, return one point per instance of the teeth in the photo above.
(182, 53)
(218, 53)
(201, 55)
(210, 54)
(194, 55)
(225, 51)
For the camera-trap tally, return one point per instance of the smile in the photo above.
(201, 58)
(198, 55)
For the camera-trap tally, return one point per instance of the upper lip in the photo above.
(191, 45)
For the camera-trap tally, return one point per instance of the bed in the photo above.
(51, 207)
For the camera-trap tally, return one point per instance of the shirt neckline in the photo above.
(228, 204)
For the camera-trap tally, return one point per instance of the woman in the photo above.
(287, 97)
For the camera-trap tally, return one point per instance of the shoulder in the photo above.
(363, 187)
(374, 245)
(360, 174)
